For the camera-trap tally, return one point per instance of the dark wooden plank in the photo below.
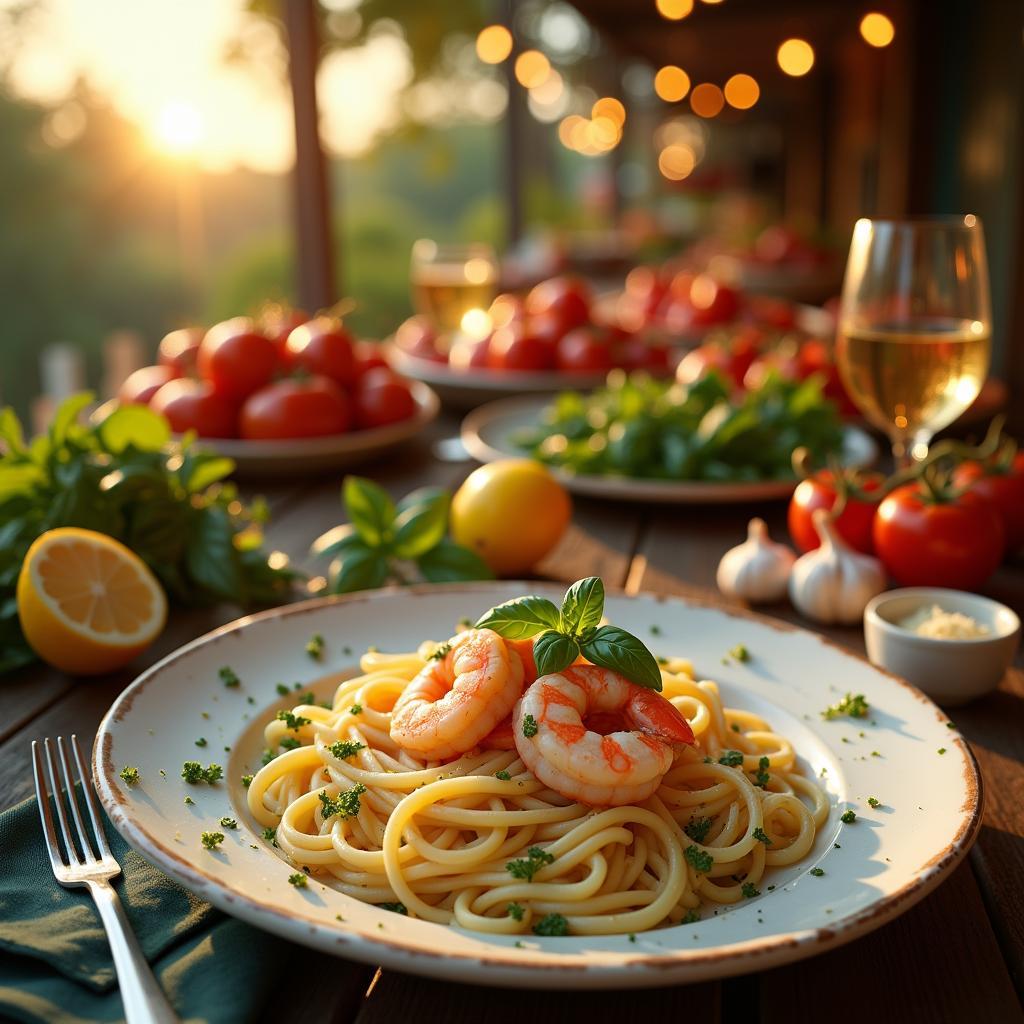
(397, 997)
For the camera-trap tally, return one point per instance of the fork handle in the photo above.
(143, 998)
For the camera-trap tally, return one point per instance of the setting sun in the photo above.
(178, 128)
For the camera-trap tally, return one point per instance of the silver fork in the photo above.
(78, 867)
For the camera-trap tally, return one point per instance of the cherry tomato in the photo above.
(368, 356)
(417, 337)
(513, 348)
(1003, 489)
(644, 296)
(296, 407)
(639, 353)
(854, 524)
(236, 359)
(277, 322)
(923, 543)
(139, 387)
(713, 302)
(190, 404)
(583, 351)
(324, 348)
(470, 353)
(179, 349)
(382, 397)
(566, 299)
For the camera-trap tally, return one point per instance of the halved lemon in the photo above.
(87, 603)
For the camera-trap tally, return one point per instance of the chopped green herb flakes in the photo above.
(129, 775)
(526, 868)
(211, 840)
(529, 726)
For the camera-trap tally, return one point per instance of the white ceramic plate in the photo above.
(300, 456)
(488, 432)
(889, 858)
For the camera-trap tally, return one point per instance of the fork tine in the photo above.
(69, 785)
(62, 817)
(90, 800)
(43, 798)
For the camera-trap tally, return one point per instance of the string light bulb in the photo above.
(706, 100)
(796, 57)
(877, 30)
(493, 44)
(674, 10)
(742, 91)
(671, 83)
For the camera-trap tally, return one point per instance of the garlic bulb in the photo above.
(757, 569)
(833, 583)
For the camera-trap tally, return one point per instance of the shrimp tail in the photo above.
(653, 714)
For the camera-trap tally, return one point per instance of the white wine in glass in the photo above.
(452, 282)
(915, 326)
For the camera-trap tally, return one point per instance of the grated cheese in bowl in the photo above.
(942, 625)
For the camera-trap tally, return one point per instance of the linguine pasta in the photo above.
(478, 842)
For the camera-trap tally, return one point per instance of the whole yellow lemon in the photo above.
(511, 513)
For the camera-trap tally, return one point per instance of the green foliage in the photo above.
(168, 503)
(385, 542)
(656, 429)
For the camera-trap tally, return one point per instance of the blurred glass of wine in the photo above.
(453, 284)
(915, 325)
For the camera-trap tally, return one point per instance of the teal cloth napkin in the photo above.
(55, 963)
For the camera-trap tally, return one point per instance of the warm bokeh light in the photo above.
(604, 131)
(178, 128)
(741, 92)
(566, 128)
(476, 323)
(671, 83)
(876, 29)
(550, 90)
(608, 106)
(676, 162)
(674, 10)
(532, 68)
(796, 57)
(493, 44)
(707, 100)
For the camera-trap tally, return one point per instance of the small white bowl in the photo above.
(950, 671)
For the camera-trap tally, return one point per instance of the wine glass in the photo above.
(915, 326)
(454, 284)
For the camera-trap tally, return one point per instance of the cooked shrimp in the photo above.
(623, 767)
(456, 700)
(500, 737)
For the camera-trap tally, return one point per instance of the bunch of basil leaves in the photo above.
(384, 542)
(124, 477)
(562, 635)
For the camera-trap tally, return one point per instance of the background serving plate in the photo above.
(888, 859)
(302, 455)
(488, 435)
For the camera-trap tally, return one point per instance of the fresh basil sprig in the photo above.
(564, 634)
(386, 542)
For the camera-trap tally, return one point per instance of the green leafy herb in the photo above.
(345, 749)
(126, 477)
(731, 758)
(526, 868)
(211, 840)
(270, 835)
(194, 773)
(853, 705)
(382, 538)
(761, 836)
(817, 872)
(942, 750)
(345, 805)
(282, 690)
(762, 778)
(189, 802)
(290, 743)
(129, 774)
(315, 647)
(201, 742)
(701, 860)
(229, 677)
(529, 726)
(515, 911)
(299, 880)
(551, 924)
(632, 936)
(553, 652)
(848, 817)
(874, 802)
(291, 720)
(395, 908)
(697, 829)
(750, 890)
(309, 697)
(582, 606)
(440, 652)
(503, 775)
(522, 618)
(268, 756)
(740, 653)
(691, 917)
(228, 823)
(247, 780)
(356, 709)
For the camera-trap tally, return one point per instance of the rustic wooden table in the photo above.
(957, 956)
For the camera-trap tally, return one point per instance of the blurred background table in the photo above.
(957, 956)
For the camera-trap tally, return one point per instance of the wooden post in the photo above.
(515, 118)
(314, 251)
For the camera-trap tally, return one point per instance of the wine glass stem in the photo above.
(908, 449)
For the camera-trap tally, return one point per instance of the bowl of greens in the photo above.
(640, 439)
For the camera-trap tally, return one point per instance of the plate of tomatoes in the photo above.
(553, 337)
(282, 395)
